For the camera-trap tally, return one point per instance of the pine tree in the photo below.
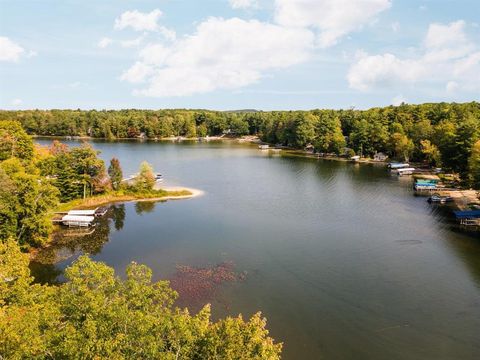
(115, 173)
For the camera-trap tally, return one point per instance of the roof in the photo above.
(426, 181)
(82, 212)
(468, 214)
(78, 218)
(398, 165)
(405, 169)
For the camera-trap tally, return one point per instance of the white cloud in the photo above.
(243, 4)
(104, 42)
(382, 70)
(447, 57)
(221, 54)
(137, 73)
(445, 42)
(17, 102)
(332, 19)
(139, 21)
(10, 51)
(133, 42)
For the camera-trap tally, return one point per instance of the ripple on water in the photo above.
(408, 242)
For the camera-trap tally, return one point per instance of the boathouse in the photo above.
(77, 220)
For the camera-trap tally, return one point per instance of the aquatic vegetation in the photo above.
(200, 284)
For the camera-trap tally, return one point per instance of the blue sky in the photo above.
(235, 54)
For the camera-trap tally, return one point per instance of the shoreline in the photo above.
(193, 192)
(106, 200)
(177, 193)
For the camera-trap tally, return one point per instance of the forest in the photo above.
(437, 134)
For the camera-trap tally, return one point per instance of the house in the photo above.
(310, 149)
(379, 156)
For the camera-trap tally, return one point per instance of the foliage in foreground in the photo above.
(97, 315)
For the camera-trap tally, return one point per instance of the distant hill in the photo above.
(242, 111)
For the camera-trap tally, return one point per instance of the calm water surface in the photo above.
(343, 261)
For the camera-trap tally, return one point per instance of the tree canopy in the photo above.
(97, 315)
(400, 132)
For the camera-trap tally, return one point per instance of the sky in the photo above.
(237, 54)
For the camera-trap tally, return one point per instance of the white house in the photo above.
(379, 156)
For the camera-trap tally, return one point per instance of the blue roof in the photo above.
(468, 214)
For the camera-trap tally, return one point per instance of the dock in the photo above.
(468, 217)
(80, 217)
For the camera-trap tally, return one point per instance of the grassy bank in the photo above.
(123, 196)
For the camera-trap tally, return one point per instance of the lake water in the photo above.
(341, 258)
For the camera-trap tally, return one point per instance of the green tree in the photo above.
(8, 206)
(474, 166)
(115, 173)
(330, 137)
(146, 177)
(431, 153)
(304, 129)
(95, 314)
(35, 197)
(87, 165)
(14, 141)
(402, 146)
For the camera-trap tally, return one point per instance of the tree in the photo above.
(330, 138)
(304, 129)
(8, 206)
(115, 173)
(28, 213)
(431, 153)
(14, 141)
(474, 166)
(88, 166)
(402, 146)
(95, 314)
(146, 178)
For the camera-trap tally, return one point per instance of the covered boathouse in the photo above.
(77, 220)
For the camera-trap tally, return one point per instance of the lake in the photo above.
(341, 258)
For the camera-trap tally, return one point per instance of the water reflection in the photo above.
(142, 207)
(71, 242)
(118, 216)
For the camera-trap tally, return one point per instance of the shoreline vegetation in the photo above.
(439, 135)
(163, 193)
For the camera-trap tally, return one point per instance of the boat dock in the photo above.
(468, 217)
(80, 217)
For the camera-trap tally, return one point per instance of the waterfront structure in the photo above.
(77, 220)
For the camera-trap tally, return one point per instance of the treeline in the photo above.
(441, 134)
